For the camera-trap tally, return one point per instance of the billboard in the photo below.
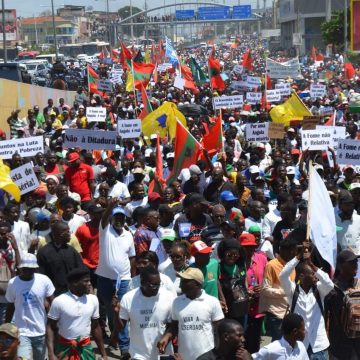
(10, 25)
(184, 14)
(242, 12)
(214, 13)
(355, 26)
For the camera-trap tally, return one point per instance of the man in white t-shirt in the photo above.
(27, 294)
(148, 309)
(194, 315)
(73, 316)
(116, 248)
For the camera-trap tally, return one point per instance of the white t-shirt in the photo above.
(28, 298)
(114, 253)
(74, 223)
(21, 231)
(74, 314)
(132, 205)
(195, 319)
(166, 283)
(119, 191)
(148, 317)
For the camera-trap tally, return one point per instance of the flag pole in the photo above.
(88, 79)
(221, 129)
(133, 78)
(308, 229)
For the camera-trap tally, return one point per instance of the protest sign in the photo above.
(25, 147)
(240, 85)
(310, 122)
(238, 69)
(277, 70)
(25, 178)
(348, 152)
(253, 81)
(139, 97)
(284, 89)
(163, 67)
(276, 131)
(317, 139)
(257, 132)
(97, 114)
(90, 139)
(104, 85)
(128, 129)
(253, 98)
(228, 102)
(273, 95)
(339, 133)
(179, 82)
(317, 91)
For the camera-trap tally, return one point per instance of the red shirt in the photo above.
(78, 180)
(89, 240)
(55, 171)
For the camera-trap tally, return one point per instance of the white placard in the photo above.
(104, 85)
(273, 95)
(348, 152)
(253, 98)
(179, 83)
(317, 139)
(240, 85)
(278, 70)
(228, 102)
(163, 67)
(284, 89)
(96, 114)
(257, 132)
(238, 69)
(253, 81)
(317, 91)
(129, 129)
(339, 132)
(25, 178)
(90, 139)
(25, 147)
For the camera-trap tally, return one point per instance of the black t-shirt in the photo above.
(212, 192)
(195, 227)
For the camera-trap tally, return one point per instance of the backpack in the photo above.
(350, 314)
(5, 275)
(316, 294)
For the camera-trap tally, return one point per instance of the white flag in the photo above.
(322, 219)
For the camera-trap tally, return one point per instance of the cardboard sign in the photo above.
(273, 95)
(317, 91)
(317, 139)
(257, 132)
(25, 147)
(276, 131)
(228, 102)
(90, 139)
(129, 129)
(96, 114)
(253, 98)
(277, 70)
(310, 122)
(25, 178)
(348, 152)
(104, 85)
(284, 88)
(238, 69)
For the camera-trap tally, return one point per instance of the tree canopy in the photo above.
(333, 31)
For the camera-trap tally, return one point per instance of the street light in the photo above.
(3, 30)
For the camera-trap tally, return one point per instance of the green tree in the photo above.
(124, 13)
(333, 31)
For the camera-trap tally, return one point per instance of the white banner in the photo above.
(228, 102)
(278, 70)
(257, 132)
(273, 95)
(25, 178)
(129, 129)
(348, 152)
(317, 139)
(238, 69)
(25, 147)
(104, 85)
(284, 89)
(90, 139)
(96, 114)
(317, 91)
(253, 98)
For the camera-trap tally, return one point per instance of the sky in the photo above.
(28, 8)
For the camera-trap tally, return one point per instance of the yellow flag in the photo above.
(147, 57)
(163, 120)
(6, 182)
(129, 82)
(292, 109)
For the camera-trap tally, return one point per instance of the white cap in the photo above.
(254, 169)
(354, 186)
(153, 136)
(28, 261)
(170, 155)
(290, 170)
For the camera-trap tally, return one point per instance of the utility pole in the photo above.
(3, 30)
(54, 29)
(132, 25)
(345, 27)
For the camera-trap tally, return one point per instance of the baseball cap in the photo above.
(118, 210)
(199, 247)
(167, 234)
(254, 228)
(191, 274)
(354, 186)
(10, 329)
(138, 170)
(290, 170)
(73, 157)
(227, 196)
(290, 130)
(247, 240)
(95, 207)
(194, 169)
(346, 256)
(254, 169)
(28, 261)
(348, 167)
(43, 215)
(295, 152)
(170, 155)
(153, 136)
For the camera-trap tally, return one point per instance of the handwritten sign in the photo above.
(228, 102)
(96, 114)
(284, 89)
(25, 178)
(317, 91)
(128, 129)
(310, 122)
(277, 70)
(238, 69)
(257, 132)
(276, 131)
(90, 139)
(25, 147)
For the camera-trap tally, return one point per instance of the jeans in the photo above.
(273, 325)
(106, 290)
(3, 307)
(33, 347)
(320, 355)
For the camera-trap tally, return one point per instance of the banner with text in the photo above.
(284, 89)
(253, 98)
(317, 139)
(348, 152)
(257, 132)
(228, 102)
(96, 114)
(90, 139)
(317, 91)
(25, 178)
(273, 95)
(25, 147)
(277, 70)
(129, 129)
